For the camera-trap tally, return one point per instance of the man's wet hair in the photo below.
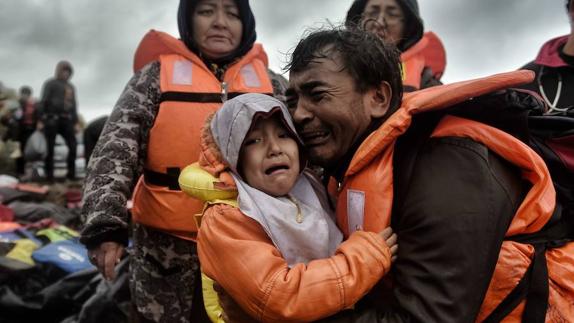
(367, 58)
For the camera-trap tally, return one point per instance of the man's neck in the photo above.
(343, 164)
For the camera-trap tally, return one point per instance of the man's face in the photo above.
(329, 113)
(384, 18)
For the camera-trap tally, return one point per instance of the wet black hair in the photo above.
(367, 58)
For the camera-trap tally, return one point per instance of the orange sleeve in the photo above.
(235, 251)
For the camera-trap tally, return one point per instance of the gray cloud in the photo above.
(491, 36)
(99, 37)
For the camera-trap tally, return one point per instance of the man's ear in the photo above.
(379, 100)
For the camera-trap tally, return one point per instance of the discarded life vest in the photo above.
(68, 255)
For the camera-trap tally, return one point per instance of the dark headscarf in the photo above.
(184, 14)
(413, 25)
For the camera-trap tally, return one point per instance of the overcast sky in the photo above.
(99, 37)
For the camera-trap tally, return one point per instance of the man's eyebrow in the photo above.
(305, 87)
(308, 86)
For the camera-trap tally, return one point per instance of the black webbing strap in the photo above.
(168, 179)
(198, 97)
(533, 287)
(534, 284)
(511, 300)
(537, 299)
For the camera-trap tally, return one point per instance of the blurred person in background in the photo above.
(27, 118)
(58, 115)
(554, 68)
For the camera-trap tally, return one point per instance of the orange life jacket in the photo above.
(189, 93)
(366, 195)
(427, 52)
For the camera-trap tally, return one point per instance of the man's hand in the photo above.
(105, 257)
(232, 312)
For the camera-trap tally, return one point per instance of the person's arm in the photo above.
(456, 211)
(44, 102)
(237, 253)
(74, 112)
(117, 160)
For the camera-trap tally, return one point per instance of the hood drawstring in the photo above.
(552, 105)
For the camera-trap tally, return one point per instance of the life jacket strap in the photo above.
(168, 179)
(199, 97)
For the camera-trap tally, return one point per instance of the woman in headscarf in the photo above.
(399, 22)
(152, 133)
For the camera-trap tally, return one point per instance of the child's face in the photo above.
(269, 157)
